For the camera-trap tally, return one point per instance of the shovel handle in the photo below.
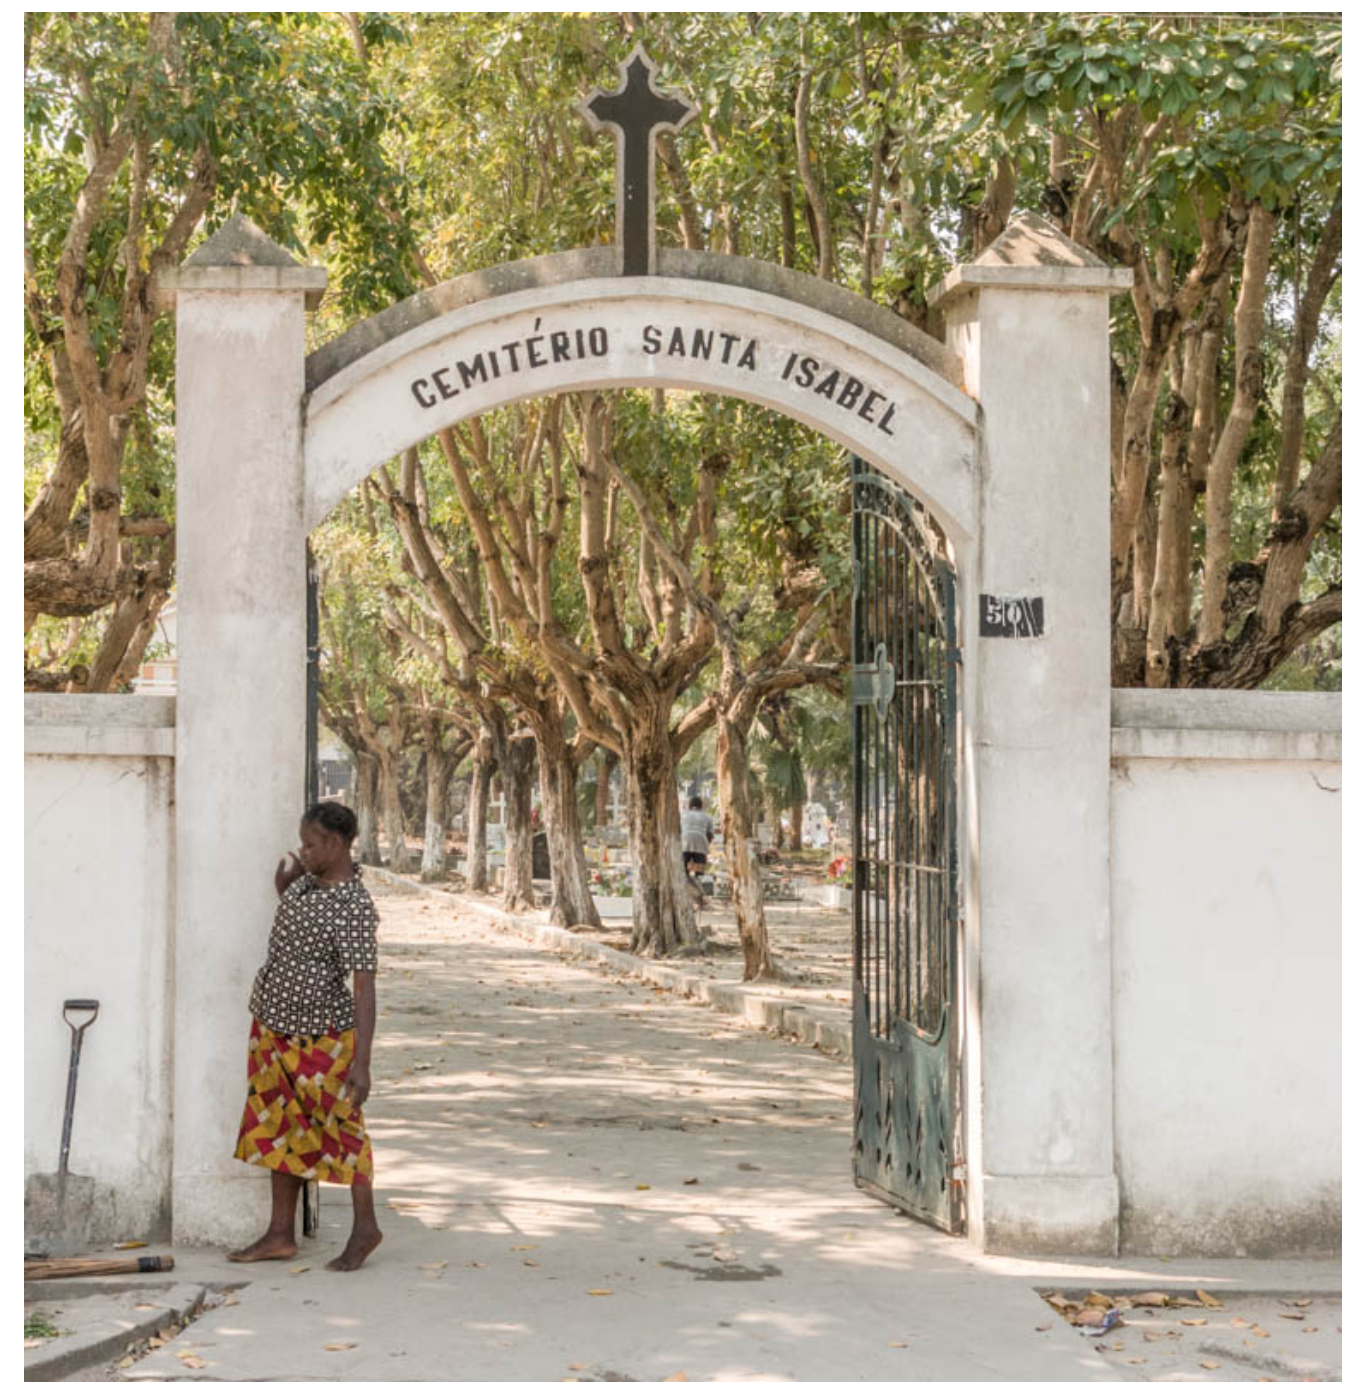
(91, 1006)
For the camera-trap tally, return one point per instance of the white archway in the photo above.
(659, 331)
(269, 439)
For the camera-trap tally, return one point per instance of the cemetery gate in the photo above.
(906, 1125)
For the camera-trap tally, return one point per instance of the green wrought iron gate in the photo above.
(906, 1139)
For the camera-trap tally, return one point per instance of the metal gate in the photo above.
(906, 1139)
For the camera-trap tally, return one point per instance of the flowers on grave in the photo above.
(840, 871)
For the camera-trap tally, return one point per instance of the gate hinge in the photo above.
(958, 1176)
(954, 913)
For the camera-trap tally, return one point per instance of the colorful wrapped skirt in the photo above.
(295, 1119)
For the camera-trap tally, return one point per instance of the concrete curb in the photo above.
(103, 1340)
(777, 1015)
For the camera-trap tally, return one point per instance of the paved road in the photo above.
(582, 1178)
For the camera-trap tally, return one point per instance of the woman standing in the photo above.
(311, 1039)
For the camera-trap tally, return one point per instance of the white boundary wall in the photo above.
(1225, 880)
(99, 923)
(1226, 916)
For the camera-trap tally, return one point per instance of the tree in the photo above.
(141, 130)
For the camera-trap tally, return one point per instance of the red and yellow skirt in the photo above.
(295, 1119)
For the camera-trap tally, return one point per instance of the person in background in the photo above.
(698, 831)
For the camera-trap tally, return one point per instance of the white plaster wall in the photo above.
(98, 923)
(1226, 897)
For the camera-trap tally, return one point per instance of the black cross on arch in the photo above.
(635, 111)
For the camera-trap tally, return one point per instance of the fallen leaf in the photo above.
(676, 1377)
(1098, 1299)
(1260, 1332)
(691, 1180)
(1206, 1298)
(475, 1264)
(432, 1266)
(1154, 1298)
(143, 1305)
(528, 1262)
(1041, 1328)
(1136, 1361)
(599, 1291)
(525, 1247)
(725, 1255)
(338, 1348)
(1299, 1304)
(297, 1271)
(1210, 1367)
(34, 1343)
(1089, 1317)
(1059, 1302)
(1191, 1321)
(132, 1243)
(1291, 1315)
(193, 1361)
(124, 1363)
(1152, 1336)
(640, 1185)
(897, 1344)
(1309, 1329)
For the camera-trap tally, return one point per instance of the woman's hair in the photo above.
(333, 816)
(694, 803)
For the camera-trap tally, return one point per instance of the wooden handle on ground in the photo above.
(95, 1266)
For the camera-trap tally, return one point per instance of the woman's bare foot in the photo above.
(356, 1251)
(272, 1247)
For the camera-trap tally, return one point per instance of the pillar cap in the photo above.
(1032, 254)
(239, 257)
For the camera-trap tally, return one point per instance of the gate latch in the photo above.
(873, 683)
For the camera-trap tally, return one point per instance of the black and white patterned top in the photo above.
(320, 933)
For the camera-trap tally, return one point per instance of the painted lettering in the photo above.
(419, 388)
(473, 372)
(749, 359)
(828, 384)
(790, 365)
(511, 348)
(852, 391)
(534, 356)
(809, 367)
(729, 338)
(598, 340)
(560, 346)
(884, 423)
(494, 363)
(676, 346)
(867, 411)
(651, 341)
(702, 341)
(444, 387)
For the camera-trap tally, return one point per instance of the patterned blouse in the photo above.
(320, 933)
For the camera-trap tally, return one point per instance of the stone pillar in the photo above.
(240, 313)
(1029, 317)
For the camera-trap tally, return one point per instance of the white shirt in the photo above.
(697, 827)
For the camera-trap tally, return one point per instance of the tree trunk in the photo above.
(741, 850)
(558, 778)
(440, 767)
(797, 826)
(662, 922)
(392, 817)
(477, 810)
(515, 772)
(602, 800)
(366, 809)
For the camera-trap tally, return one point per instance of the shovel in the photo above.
(57, 1209)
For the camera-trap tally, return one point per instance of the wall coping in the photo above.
(99, 726)
(1264, 726)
